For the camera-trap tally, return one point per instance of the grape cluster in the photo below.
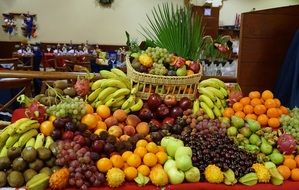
(210, 145)
(158, 69)
(68, 107)
(159, 55)
(83, 171)
(290, 123)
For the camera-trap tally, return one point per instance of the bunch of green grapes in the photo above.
(68, 107)
(158, 69)
(290, 123)
(159, 55)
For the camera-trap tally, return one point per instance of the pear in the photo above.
(253, 125)
(237, 122)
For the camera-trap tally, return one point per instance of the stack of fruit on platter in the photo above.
(103, 134)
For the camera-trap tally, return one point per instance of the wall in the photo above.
(81, 20)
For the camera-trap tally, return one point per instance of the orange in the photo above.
(162, 157)
(259, 109)
(254, 94)
(140, 151)
(46, 128)
(150, 159)
(228, 112)
(190, 72)
(277, 102)
(134, 160)
(270, 103)
(104, 164)
(141, 143)
(144, 170)
(284, 171)
(297, 160)
(88, 108)
(101, 125)
(125, 165)
(238, 106)
(240, 114)
(290, 163)
(248, 109)
(157, 166)
(126, 155)
(273, 112)
(284, 110)
(97, 116)
(90, 120)
(117, 161)
(251, 116)
(291, 156)
(130, 173)
(245, 101)
(103, 111)
(255, 101)
(295, 174)
(263, 119)
(267, 94)
(52, 118)
(152, 147)
(161, 149)
(274, 122)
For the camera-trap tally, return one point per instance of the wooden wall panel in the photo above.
(264, 40)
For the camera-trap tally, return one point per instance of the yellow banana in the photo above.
(217, 111)
(121, 92)
(134, 90)
(209, 82)
(105, 74)
(218, 102)
(25, 127)
(224, 91)
(129, 102)
(3, 152)
(13, 127)
(97, 84)
(216, 92)
(207, 110)
(118, 72)
(122, 76)
(223, 102)
(207, 100)
(39, 140)
(26, 136)
(106, 92)
(30, 142)
(93, 96)
(195, 106)
(3, 137)
(137, 106)
(218, 81)
(204, 91)
(113, 83)
(118, 104)
(113, 100)
(98, 103)
(12, 140)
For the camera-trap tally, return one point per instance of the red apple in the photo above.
(154, 101)
(185, 103)
(145, 114)
(162, 111)
(176, 112)
(155, 123)
(194, 66)
(129, 130)
(170, 100)
(68, 135)
(168, 120)
(98, 145)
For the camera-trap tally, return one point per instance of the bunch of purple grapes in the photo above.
(83, 172)
(211, 145)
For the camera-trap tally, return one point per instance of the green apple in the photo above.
(182, 71)
(183, 163)
(175, 176)
(183, 150)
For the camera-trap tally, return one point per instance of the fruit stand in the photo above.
(160, 125)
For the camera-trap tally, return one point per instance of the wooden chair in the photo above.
(22, 65)
(9, 63)
(78, 64)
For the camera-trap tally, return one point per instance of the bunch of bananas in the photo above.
(212, 98)
(23, 132)
(114, 90)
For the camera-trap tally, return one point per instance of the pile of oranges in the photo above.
(262, 107)
(145, 157)
(290, 167)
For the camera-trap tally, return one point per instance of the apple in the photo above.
(183, 163)
(115, 131)
(194, 66)
(176, 112)
(175, 176)
(192, 175)
(168, 120)
(166, 140)
(154, 101)
(183, 150)
(97, 145)
(145, 114)
(129, 130)
(162, 111)
(182, 71)
(170, 100)
(172, 146)
(155, 123)
(170, 163)
(185, 103)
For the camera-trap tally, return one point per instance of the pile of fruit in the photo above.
(158, 61)
(105, 135)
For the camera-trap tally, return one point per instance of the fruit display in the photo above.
(290, 122)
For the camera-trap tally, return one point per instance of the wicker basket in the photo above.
(180, 86)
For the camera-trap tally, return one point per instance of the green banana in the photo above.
(98, 103)
(38, 182)
(138, 105)
(118, 104)
(217, 112)
(105, 74)
(3, 152)
(128, 103)
(113, 100)
(93, 96)
(216, 92)
(229, 177)
(210, 83)
(249, 179)
(97, 84)
(4, 136)
(218, 81)
(27, 125)
(223, 91)
(26, 136)
(49, 141)
(121, 92)
(195, 108)
(223, 102)
(218, 102)
(207, 110)
(30, 142)
(207, 100)
(16, 145)
(113, 83)
(109, 97)
(39, 140)
(134, 90)
(206, 92)
(12, 140)
(122, 76)
(13, 127)
(106, 92)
